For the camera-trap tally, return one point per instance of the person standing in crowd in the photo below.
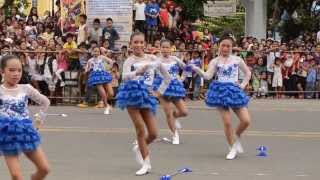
(152, 13)
(172, 21)
(33, 14)
(164, 19)
(311, 79)
(140, 17)
(301, 71)
(187, 74)
(70, 47)
(50, 67)
(83, 30)
(110, 34)
(271, 56)
(95, 33)
(263, 88)
(115, 79)
(196, 79)
(25, 79)
(277, 79)
(62, 65)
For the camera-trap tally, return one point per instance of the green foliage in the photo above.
(306, 21)
(192, 9)
(217, 25)
(15, 3)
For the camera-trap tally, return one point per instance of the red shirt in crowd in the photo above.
(164, 17)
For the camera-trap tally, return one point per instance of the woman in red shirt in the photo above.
(164, 18)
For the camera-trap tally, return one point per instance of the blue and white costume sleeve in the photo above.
(135, 90)
(98, 74)
(17, 134)
(175, 90)
(225, 92)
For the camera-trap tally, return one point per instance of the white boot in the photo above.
(176, 138)
(238, 145)
(146, 167)
(135, 142)
(177, 124)
(138, 155)
(107, 110)
(233, 153)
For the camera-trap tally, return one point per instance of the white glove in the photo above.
(39, 119)
(242, 86)
(142, 70)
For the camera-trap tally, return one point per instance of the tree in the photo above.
(15, 3)
(291, 27)
(217, 25)
(192, 9)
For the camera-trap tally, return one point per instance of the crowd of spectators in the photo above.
(51, 58)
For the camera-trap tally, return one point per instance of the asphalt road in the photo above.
(88, 145)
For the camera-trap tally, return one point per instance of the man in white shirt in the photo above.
(95, 33)
(140, 16)
(83, 29)
(271, 56)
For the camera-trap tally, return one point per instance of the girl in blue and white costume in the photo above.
(175, 92)
(17, 133)
(227, 93)
(136, 95)
(100, 77)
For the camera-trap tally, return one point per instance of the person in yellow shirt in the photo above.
(173, 48)
(71, 48)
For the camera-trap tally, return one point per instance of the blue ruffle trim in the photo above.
(17, 136)
(135, 93)
(226, 95)
(99, 77)
(156, 82)
(175, 89)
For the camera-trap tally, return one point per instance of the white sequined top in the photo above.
(172, 65)
(134, 63)
(98, 63)
(226, 70)
(14, 102)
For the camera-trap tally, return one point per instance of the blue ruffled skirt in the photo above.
(99, 77)
(175, 90)
(135, 94)
(18, 136)
(226, 95)
(156, 82)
